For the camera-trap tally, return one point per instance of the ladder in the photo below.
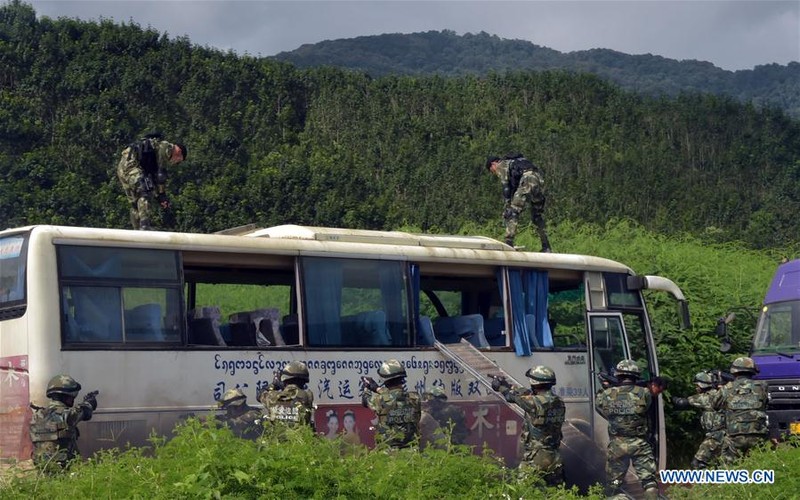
(474, 362)
(576, 445)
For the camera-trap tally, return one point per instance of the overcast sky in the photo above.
(733, 35)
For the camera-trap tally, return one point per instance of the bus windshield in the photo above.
(775, 331)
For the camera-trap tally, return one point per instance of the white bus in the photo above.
(163, 323)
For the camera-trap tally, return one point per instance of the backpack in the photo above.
(146, 153)
(519, 165)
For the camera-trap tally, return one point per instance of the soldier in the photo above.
(544, 416)
(744, 402)
(287, 401)
(398, 410)
(245, 421)
(712, 421)
(440, 419)
(626, 408)
(143, 175)
(54, 428)
(523, 183)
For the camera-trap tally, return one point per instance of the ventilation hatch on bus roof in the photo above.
(291, 231)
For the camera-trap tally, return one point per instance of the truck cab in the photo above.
(776, 349)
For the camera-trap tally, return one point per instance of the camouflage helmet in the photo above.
(63, 384)
(541, 375)
(295, 369)
(435, 393)
(627, 368)
(704, 380)
(391, 369)
(743, 365)
(232, 397)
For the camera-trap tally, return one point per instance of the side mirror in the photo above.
(722, 332)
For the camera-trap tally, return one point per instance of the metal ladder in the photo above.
(474, 362)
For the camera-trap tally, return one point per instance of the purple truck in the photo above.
(776, 349)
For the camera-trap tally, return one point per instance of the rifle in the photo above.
(167, 214)
(498, 382)
(369, 384)
(721, 378)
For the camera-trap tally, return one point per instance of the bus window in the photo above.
(462, 303)
(636, 340)
(355, 303)
(12, 276)
(566, 313)
(119, 296)
(239, 307)
(608, 341)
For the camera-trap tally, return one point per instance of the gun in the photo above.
(721, 378)
(498, 382)
(91, 398)
(607, 379)
(369, 383)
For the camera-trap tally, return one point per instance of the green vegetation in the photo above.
(448, 54)
(208, 462)
(272, 144)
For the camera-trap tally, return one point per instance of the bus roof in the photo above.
(332, 242)
(785, 283)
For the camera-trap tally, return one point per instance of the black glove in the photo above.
(370, 384)
(498, 383)
(91, 398)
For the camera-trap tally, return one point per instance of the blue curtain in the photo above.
(392, 292)
(522, 343)
(536, 285)
(323, 292)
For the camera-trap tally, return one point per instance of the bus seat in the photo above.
(204, 327)
(493, 329)
(290, 329)
(373, 325)
(253, 318)
(271, 330)
(203, 332)
(445, 331)
(243, 334)
(143, 323)
(470, 326)
(426, 336)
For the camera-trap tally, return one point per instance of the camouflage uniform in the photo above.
(744, 402)
(243, 420)
(626, 407)
(54, 428)
(141, 187)
(541, 437)
(398, 412)
(519, 191)
(440, 419)
(291, 405)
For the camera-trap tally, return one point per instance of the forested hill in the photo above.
(272, 144)
(448, 54)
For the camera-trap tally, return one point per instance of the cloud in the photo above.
(731, 34)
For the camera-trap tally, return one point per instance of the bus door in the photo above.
(608, 343)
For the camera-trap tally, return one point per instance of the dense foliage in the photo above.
(445, 53)
(202, 461)
(270, 144)
(207, 462)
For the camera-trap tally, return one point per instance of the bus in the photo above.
(776, 349)
(163, 323)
